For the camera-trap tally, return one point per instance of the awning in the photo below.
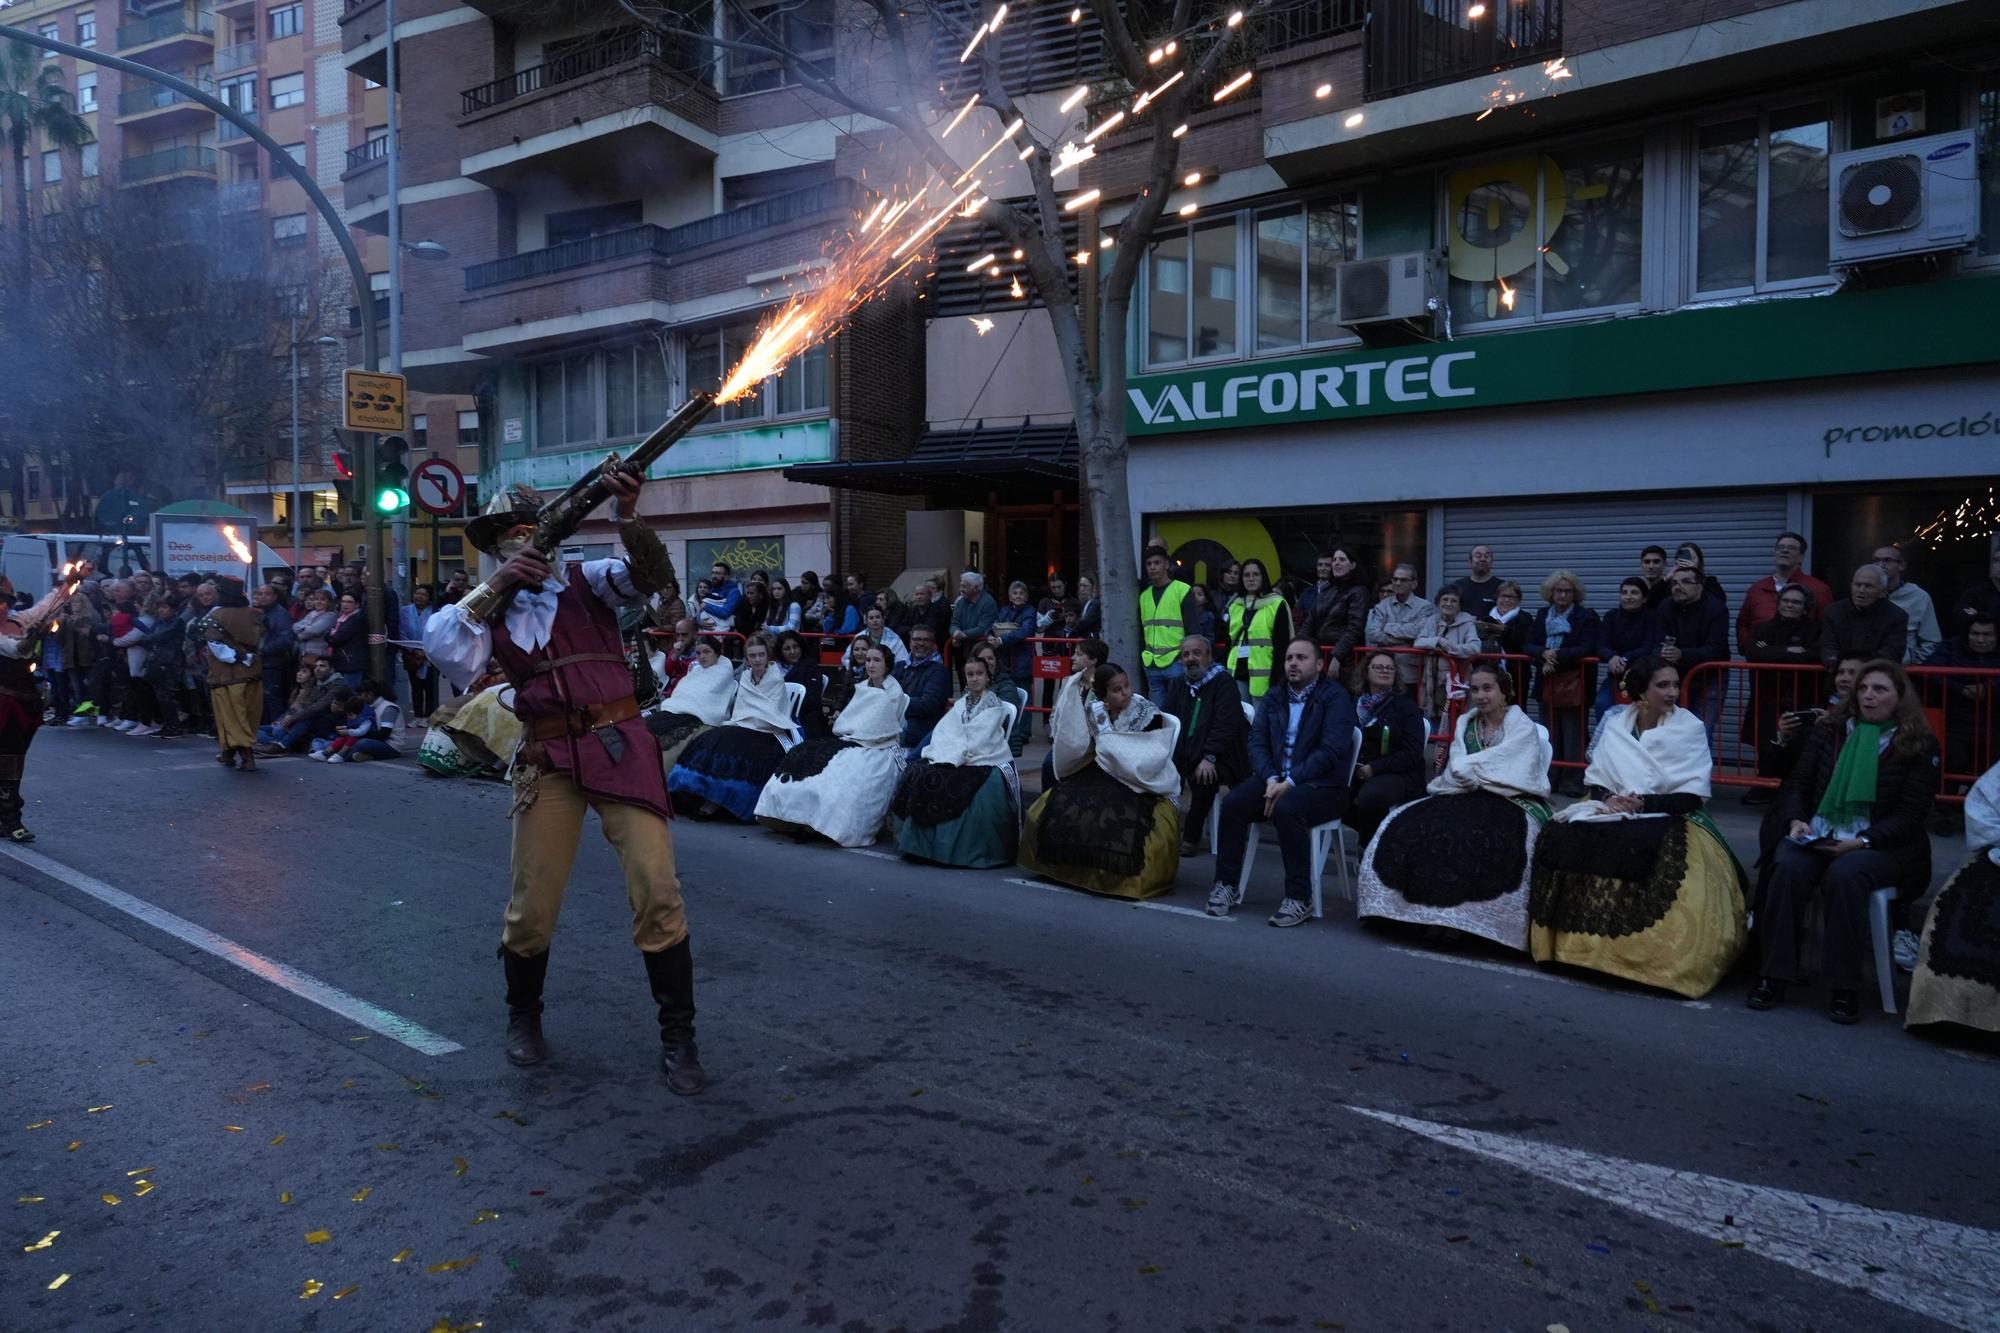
(1021, 463)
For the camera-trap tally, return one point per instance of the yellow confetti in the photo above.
(41, 1244)
(450, 1265)
(348, 1084)
(60, 1279)
(400, 1255)
(41, 1124)
(276, 1139)
(234, 1129)
(318, 1237)
(286, 1197)
(95, 1109)
(145, 1187)
(459, 1166)
(29, 1198)
(346, 1291)
(484, 1215)
(363, 1037)
(143, 1171)
(445, 1326)
(387, 1147)
(111, 1199)
(258, 1087)
(312, 1288)
(363, 1193)
(509, 1115)
(145, 1062)
(74, 1144)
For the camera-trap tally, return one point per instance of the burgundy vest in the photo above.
(20, 701)
(584, 624)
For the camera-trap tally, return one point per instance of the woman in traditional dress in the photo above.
(700, 700)
(1008, 690)
(1460, 856)
(840, 786)
(1070, 712)
(1958, 964)
(960, 803)
(725, 768)
(1111, 826)
(1636, 880)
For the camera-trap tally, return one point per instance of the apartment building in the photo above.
(619, 214)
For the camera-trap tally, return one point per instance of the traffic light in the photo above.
(392, 478)
(343, 465)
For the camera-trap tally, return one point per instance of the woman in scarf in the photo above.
(700, 700)
(801, 667)
(725, 768)
(231, 633)
(1507, 628)
(1637, 881)
(1452, 638)
(1958, 964)
(1069, 714)
(1390, 771)
(1111, 826)
(1856, 807)
(1460, 856)
(1259, 624)
(1563, 637)
(1008, 690)
(840, 786)
(960, 803)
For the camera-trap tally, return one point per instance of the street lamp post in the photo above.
(399, 525)
(298, 523)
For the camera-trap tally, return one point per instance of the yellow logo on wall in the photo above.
(1205, 544)
(1500, 215)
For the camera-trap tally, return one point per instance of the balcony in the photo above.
(170, 40)
(231, 135)
(162, 109)
(166, 164)
(372, 153)
(231, 58)
(1421, 43)
(1289, 25)
(635, 276)
(626, 94)
(366, 179)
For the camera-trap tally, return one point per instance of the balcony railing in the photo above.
(1295, 21)
(375, 150)
(664, 242)
(581, 62)
(240, 56)
(1420, 43)
(136, 100)
(161, 26)
(228, 131)
(166, 162)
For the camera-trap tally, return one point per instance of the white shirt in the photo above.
(461, 648)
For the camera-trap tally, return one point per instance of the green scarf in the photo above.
(1850, 793)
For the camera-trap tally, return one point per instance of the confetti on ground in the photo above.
(451, 1265)
(916, 1092)
(400, 1255)
(363, 1037)
(318, 1237)
(387, 1147)
(509, 1115)
(286, 1197)
(145, 1062)
(276, 1139)
(1558, 1328)
(41, 1244)
(144, 1188)
(41, 1124)
(363, 1193)
(29, 1198)
(459, 1166)
(1646, 1296)
(348, 1084)
(234, 1129)
(484, 1215)
(74, 1144)
(111, 1199)
(1149, 1269)
(346, 1291)
(312, 1288)
(258, 1087)
(445, 1326)
(143, 1171)
(60, 1279)
(1527, 1262)
(95, 1109)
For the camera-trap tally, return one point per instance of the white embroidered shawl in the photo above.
(703, 693)
(980, 741)
(1517, 766)
(873, 717)
(1670, 760)
(1143, 760)
(763, 705)
(1070, 726)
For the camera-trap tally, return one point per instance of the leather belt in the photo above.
(578, 721)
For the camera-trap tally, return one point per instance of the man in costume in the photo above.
(20, 700)
(232, 630)
(583, 746)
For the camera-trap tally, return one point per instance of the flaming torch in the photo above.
(236, 546)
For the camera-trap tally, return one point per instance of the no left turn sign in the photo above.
(437, 486)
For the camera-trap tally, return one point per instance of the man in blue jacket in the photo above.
(718, 609)
(928, 684)
(1301, 750)
(1694, 628)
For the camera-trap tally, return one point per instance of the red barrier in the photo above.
(1047, 666)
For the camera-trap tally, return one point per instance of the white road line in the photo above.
(393, 1026)
(1075, 893)
(1945, 1270)
(870, 851)
(1530, 974)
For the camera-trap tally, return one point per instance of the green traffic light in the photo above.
(391, 498)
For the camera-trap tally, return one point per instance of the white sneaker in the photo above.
(104, 721)
(123, 724)
(318, 756)
(80, 720)
(143, 729)
(1905, 947)
(335, 758)
(1223, 897)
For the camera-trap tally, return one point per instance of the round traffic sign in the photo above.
(437, 486)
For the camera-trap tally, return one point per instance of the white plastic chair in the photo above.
(1885, 963)
(1215, 808)
(1325, 837)
(795, 693)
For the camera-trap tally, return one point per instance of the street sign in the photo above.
(437, 486)
(376, 402)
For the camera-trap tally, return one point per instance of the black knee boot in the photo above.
(671, 972)
(11, 827)
(525, 976)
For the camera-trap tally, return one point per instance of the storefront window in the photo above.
(1546, 234)
(1989, 161)
(1290, 542)
(1191, 294)
(1760, 200)
(1299, 251)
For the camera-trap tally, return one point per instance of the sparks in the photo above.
(1506, 294)
(1082, 257)
(1477, 11)
(999, 17)
(1005, 135)
(1484, 114)
(1156, 55)
(1025, 153)
(237, 549)
(1104, 126)
(973, 206)
(981, 262)
(1087, 197)
(1180, 129)
(963, 112)
(1071, 155)
(1192, 178)
(875, 214)
(1324, 91)
(985, 326)
(1189, 210)
(1015, 290)
(978, 36)
(1234, 84)
(1557, 69)
(1107, 242)
(1069, 103)
(1236, 19)
(1076, 16)
(1146, 99)
(1353, 120)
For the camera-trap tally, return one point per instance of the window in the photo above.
(565, 410)
(91, 218)
(710, 354)
(1546, 235)
(1987, 124)
(296, 152)
(291, 299)
(285, 21)
(1299, 248)
(420, 431)
(239, 94)
(34, 483)
(87, 157)
(51, 166)
(86, 28)
(53, 32)
(86, 92)
(468, 428)
(804, 27)
(287, 90)
(802, 383)
(1191, 293)
(635, 390)
(289, 229)
(378, 284)
(1760, 200)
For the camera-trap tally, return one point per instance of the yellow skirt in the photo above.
(238, 709)
(1092, 833)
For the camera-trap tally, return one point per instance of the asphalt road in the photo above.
(939, 1100)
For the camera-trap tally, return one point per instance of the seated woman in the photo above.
(1459, 857)
(700, 700)
(1069, 712)
(1637, 881)
(725, 768)
(1958, 966)
(801, 667)
(960, 803)
(841, 680)
(1390, 771)
(840, 786)
(1111, 826)
(1008, 689)
(1855, 808)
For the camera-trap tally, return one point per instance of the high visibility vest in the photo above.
(1254, 644)
(1161, 624)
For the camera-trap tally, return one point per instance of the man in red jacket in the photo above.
(584, 747)
(1761, 602)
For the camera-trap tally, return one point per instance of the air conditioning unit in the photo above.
(1395, 289)
(1913, 197)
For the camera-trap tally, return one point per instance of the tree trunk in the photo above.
(24, 261)
(1105, 451)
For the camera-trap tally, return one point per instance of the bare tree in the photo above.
(895, 39)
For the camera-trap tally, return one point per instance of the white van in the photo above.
(31, 559)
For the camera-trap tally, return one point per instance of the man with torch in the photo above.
(20, 700)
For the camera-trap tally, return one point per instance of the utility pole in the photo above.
(399, 550)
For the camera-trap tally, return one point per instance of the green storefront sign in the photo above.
(1943, 323)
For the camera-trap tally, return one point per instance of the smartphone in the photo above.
(1805, 716)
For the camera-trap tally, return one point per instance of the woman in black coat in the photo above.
(1790, 638)
(347, 641)
(801, 667)
(1338, 621)
(1842, 852)
(1565, 633)
(1390, 769)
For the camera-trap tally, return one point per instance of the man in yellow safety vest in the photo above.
(1166, 616)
